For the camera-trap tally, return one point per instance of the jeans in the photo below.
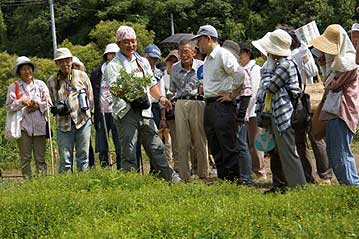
(339, 139)
(78, 139)
(245, 161)
(102, 140)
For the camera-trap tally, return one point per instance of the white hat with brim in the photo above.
(112, 47)
(257, 44)
(23, 60)
(328, 42)
(76, 60)
(355, 27)
(62, 53)
(278, 43)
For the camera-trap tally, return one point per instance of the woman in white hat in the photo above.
(341, 105)
(278, 85)
(31, 96)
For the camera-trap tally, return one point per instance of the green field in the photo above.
(109, 204)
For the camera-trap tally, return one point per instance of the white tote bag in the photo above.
(13, 124)
(332, 102)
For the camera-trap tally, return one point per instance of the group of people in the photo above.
(215, 101)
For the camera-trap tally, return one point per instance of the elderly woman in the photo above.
(341, 105)
(31, 96)
(274, 106)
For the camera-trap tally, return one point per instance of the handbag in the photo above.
(318, 126)
(13, 120)
(333, 102)
(264, 141)
(301, 116)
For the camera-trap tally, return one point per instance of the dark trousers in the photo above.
(91, 156)
(221, 129)
(321, 158)
(303, 151)
(102, 140)
(156, 111)
(278, 178)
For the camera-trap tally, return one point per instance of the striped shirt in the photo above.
(280, 79)
(61, 90)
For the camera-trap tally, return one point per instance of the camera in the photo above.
(61, 108)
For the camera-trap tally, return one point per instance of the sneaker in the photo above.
(175, 178)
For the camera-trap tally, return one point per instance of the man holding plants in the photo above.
(131, 81)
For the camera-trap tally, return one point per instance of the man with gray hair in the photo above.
(134, 119)
(189, 114)
(222, 81)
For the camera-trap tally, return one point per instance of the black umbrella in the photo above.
(172, 41)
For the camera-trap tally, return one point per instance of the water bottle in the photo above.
(83, 102)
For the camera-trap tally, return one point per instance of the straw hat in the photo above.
(22, 60)
(328, 42)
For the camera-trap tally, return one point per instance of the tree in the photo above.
(2, 31)
(105, 33)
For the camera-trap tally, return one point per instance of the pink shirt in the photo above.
(348, 83)
(33, 123)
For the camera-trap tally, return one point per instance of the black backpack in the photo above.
(301, 116)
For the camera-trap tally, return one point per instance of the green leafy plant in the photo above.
(130, 87)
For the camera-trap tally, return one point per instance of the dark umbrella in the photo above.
(172, 41)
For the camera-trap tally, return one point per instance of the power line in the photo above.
(25, 3)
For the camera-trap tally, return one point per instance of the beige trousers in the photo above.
(28, 145)
(191, 139)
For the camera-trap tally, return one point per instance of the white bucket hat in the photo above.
(278, 43)
(112, 47)
(257, 43)
(62, 53)
(22, 60)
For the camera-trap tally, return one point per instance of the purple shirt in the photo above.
(33, 123)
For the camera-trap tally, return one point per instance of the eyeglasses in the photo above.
(185, 52)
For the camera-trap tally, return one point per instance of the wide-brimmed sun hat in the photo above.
(23, 60)
(173, 53)
(328, 42)
(278, 43)
(258, 43)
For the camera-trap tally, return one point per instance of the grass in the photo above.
(109, 204)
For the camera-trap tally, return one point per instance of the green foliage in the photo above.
(128, 86)
(105, 33)
(108, 204)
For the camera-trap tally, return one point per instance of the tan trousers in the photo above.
(28, 145)
(191, 138)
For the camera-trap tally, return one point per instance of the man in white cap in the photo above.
(103, 119)
(274, 109)
(135, 121)
(222, 80)
(71, 93)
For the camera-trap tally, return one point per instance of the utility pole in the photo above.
(172, 25)
(53, 29)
